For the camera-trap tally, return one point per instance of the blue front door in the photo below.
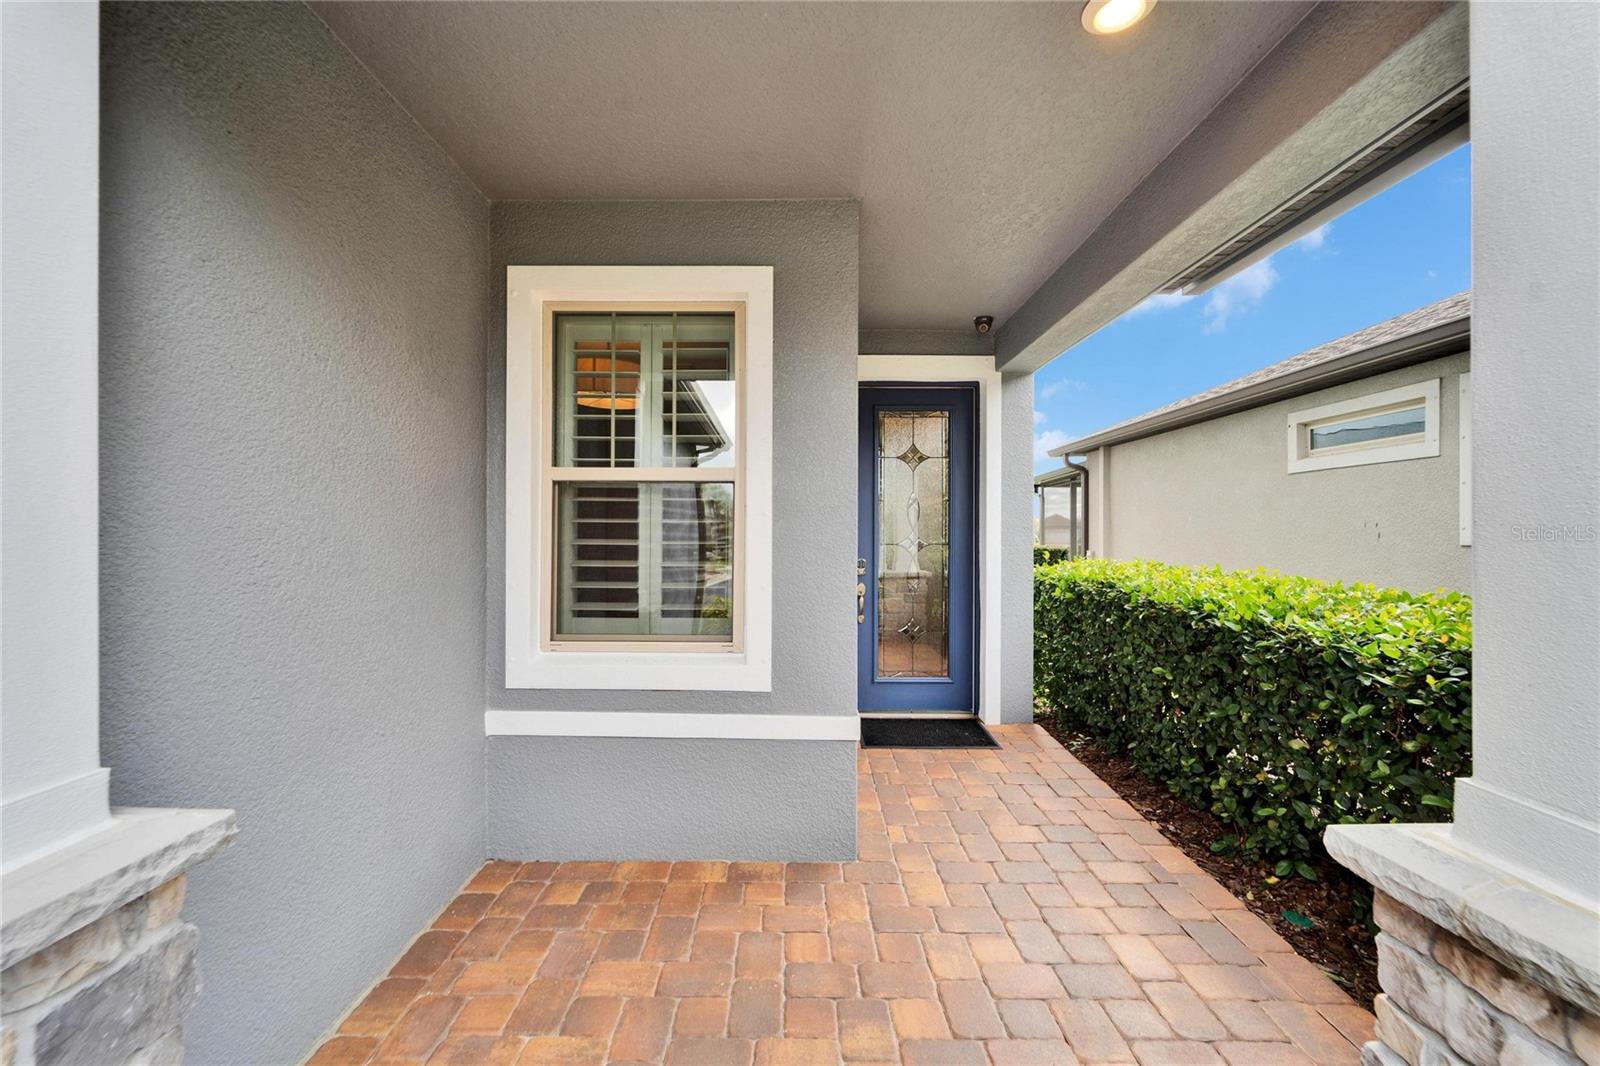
(916, 625)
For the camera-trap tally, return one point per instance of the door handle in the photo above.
(861, 592)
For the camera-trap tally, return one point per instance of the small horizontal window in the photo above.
(1383, 427)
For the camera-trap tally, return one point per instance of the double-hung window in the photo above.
(645, 470)
(639, 477)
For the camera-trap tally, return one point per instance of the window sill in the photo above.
(1423, 449)
(677, 670)
(566, 645)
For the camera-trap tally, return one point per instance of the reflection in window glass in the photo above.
(649, 557)
(645, 390)
(1386, 425)
(645, 559)
(913, 544)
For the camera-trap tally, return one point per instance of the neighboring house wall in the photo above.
(578, 797)
(292, 508)
(1220, 492)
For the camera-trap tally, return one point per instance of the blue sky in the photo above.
(1406, 247)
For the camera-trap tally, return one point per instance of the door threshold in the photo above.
(917, 714)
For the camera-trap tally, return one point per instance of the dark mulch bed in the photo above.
(1338, 902)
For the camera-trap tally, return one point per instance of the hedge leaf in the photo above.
(1281, 704)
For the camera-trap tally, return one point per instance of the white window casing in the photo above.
(1304, 456)
(533, 658)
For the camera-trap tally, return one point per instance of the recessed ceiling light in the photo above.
(1114, 16)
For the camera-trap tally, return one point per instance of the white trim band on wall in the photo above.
(678, 726)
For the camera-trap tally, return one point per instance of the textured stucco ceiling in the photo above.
(984, 140)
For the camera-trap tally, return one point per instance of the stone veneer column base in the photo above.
(1444, 1001)
(116, 991)
(1477, 966)
(99, 967)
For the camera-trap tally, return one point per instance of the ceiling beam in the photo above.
(1343, 78)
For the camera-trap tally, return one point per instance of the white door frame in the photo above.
(978, 368)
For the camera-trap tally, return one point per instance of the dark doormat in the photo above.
(925, 733)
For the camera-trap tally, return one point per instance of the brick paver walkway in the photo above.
(1006, 907)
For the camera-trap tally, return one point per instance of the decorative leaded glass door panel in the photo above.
(915, 621)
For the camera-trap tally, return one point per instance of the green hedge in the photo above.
(1281, 704)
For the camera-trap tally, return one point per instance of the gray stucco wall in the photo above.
(294, 290)
(812, 246)
(1220, 492)
(654, 798)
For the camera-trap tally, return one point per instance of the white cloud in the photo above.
(1060, 385)
(1314, 240)
(1160, 301)
(1038, 418)
(1044, 440)
(1239, 293)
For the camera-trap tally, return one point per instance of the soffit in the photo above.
(984, 141)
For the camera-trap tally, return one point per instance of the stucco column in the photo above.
(1534, 796)
(1490, 942)
(96, 964)
(53, 784)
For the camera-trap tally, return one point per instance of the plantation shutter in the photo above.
(647, 557)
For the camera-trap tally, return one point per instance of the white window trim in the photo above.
(529, 664)
(979, 368)
(1464, 426)
(1301, 461)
